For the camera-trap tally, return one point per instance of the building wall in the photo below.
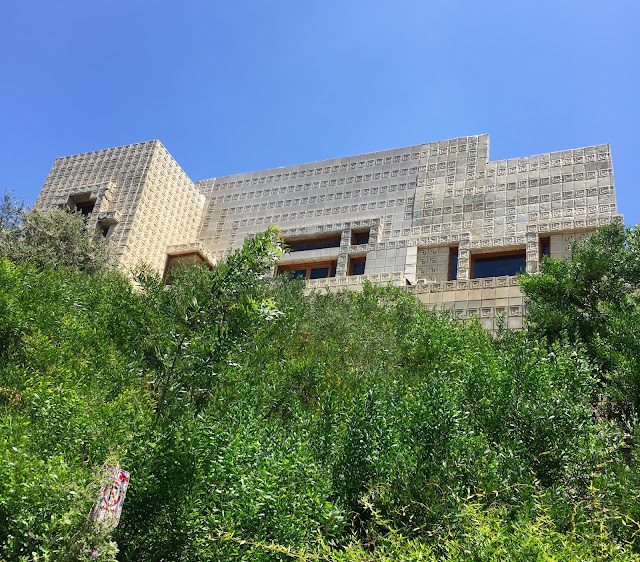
(433, 263)
(140, 193)
(416, 202)
(433, 194)
(113, 178)
(168, 212)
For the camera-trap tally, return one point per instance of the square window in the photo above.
(360, 237)
(357, 266)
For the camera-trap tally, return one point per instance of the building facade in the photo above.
(439, 219)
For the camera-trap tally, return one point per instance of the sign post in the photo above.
(112, 493)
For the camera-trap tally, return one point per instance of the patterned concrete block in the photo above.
(404, 210)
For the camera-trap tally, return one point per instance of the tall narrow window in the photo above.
(453, 263)
(545, 248)
(357, 265)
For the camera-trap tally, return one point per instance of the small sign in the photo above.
(109, 506)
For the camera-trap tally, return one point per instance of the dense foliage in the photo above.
(262, 424)
(593, 299)
(52, 238)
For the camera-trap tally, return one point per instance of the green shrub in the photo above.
(261, 424)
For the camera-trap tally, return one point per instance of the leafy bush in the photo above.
(259, 423)
(592, 299)
(55, 238)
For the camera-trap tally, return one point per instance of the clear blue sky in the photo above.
(231, 87)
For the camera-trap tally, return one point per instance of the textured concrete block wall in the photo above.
(169, 212)
(492, 301)
(417, 202)
(148, 200)
(433, 263)
(445, 190)
(113, 178)
(560, 244)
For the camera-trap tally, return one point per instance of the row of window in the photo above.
(495, 264)
(333, 241)
(321, 270)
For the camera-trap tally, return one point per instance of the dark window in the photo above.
(86, 207)
(319, 272)
(360, 237)
(313, 243)
(314, 270)
(453, 263)
(545, 247)
(498, 264)
(356, 266)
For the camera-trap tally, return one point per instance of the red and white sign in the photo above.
(112, 494)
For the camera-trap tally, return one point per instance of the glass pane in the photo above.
(545, 247)
(357, 268)
(498, 265)
(361, 238)
(298, 273)
(319, 273)
(454, 266)
(302, 245)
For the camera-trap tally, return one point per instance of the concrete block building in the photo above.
(439, 219)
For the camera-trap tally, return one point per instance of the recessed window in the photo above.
(357, 266)
(453, 263)
(313, 243)
(314, 270)
(86, 207)
(360, 237)
(545, 248)
(498, 264)
(296, 273)
(321, 272)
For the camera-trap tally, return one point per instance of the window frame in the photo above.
(451, 274)
(281, 269)
(359, 232)
(516, 252)
(172, 257)
(357, 260)
(290, 243)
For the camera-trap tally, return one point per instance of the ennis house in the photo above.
(439, 219)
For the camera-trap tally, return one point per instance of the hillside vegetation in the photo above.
(260, 424)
